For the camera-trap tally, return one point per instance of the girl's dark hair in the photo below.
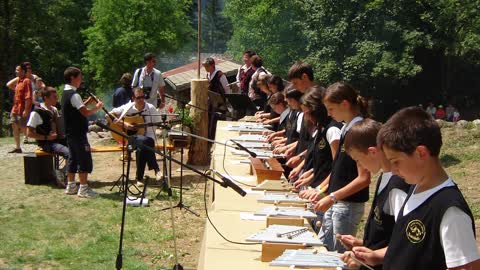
(294, 94)
(277, 99)
(257, 61)
(340, 91)
(278, 81)
(313, 100)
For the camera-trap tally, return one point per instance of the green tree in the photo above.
(123, 30)
(216, 29)
(271, 28)
(44, 32)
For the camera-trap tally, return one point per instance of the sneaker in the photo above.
(25, 139)
(86, 192)
(16, 150)
(71, 189)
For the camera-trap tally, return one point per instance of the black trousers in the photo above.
(145, 157)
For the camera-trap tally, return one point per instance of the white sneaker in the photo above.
(86, 192)
(71, 189)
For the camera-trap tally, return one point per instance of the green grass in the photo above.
(42, 228)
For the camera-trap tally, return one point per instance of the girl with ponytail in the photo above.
(344, 200)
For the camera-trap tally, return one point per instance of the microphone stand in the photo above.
(133, 142)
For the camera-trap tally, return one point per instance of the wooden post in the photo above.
(199, 153)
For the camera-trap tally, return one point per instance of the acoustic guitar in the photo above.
(137, 121)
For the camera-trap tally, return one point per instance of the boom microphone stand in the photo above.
(180, 204)
(133, 142)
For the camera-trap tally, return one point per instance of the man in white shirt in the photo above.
(140, 107)
(151, 81)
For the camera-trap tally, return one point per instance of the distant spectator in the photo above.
(456, 115)
(123, 94)
(37, 97)
(431, 109)
(450, 109)
(254, 93)
(440, 113)
(245, 72)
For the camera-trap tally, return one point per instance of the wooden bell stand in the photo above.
(266, 169)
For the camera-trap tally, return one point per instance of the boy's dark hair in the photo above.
(362, 135)
(409, 128)
(148, 56)
(298, 69)
(250, 53)
(45, 93)
(340, 91)
(71, 72)
(28, 64)
(126, 80)
(257, 61)
(313, 100)
(23, 66)
(277, 99)
(278, 81)
(294, 94)
(136, 90)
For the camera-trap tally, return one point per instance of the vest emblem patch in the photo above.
(376, 215)
(415, 231)
(321, 144)
(342, 149)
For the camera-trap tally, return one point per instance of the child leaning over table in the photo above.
(434, 228)
(389, 194)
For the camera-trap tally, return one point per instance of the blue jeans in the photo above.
(342, 218)
(54, 147)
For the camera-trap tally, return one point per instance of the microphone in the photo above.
(252, 154)
(229, 183)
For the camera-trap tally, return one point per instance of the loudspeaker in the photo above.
(38, 169)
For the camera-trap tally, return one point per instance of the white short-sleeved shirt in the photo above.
(145, 80)
(149, 114)
(35, 119)
(223, 81)
(76, 99)
(456, 231)
(333, 134)
(396, 197)
(299, 122)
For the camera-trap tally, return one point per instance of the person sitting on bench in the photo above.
(44, 125)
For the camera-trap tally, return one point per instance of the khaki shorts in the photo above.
(18, 120)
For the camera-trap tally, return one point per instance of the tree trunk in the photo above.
(4, 53)
(199, 153)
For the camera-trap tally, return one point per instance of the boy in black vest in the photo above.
(43, 124)
(390, 191)
(75, 115)
(434, 227)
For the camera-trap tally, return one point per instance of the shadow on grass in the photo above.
(449, 160)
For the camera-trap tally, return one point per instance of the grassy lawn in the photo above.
(41, 228)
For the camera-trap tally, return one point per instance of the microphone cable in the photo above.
(211, 223)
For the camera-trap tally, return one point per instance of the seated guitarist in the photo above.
(140, 107)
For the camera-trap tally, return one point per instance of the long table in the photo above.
(225, 207)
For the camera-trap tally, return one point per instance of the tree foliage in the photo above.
(371, 43)
(271, 28)
(123, 30)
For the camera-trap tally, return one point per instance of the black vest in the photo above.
(379, 226)
(344, 170)
(245, 78)
(291, 128)
(215, 85)
(46, 127)
(75, 123)
(321, 155)
(415, 242)
(304, 138)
